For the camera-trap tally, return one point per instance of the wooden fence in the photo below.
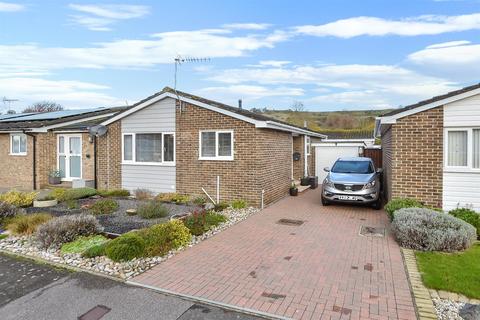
(375, 154)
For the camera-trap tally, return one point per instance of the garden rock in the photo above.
(470, 311)
(209, 206)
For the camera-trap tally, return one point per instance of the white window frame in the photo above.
(66, 141)
(12, 135)
(469, 167)
(216, 157)
(134, 150)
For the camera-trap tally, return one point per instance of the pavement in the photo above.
(317, 266)
(31, 290)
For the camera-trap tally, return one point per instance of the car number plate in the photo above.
(347, 197)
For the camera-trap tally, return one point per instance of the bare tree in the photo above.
(43, 106)
(297, 106)
(11, 111)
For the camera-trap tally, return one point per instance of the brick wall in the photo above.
(109, 158)
(15, 171)
(298, 165)
(417, 157)
(46, 156)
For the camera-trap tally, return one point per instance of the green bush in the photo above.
(46, 198)
(3, 236)
(152, 210)
(58, 193)
(161, 238)
(114, 193)
(72, 204)
(173, 197)
(427, 230)
(126, 247)
(221, 206)
(200, 201)
(468, 216)
(200, 222)
(73, 194)
(18, 198)
(400, 203)
(239, 204)
(104, 206)
(27, 223)
(143, 194)
(65, 229)
(7, 211)
(81, 244)
(95, 250)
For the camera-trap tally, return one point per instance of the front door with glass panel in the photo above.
(70, 156)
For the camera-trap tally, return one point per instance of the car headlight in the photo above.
(370, 185)
(328, 183)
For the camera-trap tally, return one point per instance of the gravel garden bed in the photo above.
(124, 270)
(453, 310)
(118, 222)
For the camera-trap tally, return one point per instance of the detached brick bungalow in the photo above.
(431, 150)
(175, 142)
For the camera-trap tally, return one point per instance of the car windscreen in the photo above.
(362, 167)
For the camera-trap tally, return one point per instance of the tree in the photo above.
(43, 106)
(297, 106)
(11, 111)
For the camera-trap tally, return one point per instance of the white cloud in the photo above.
(160, 48)
(250, 92)
(71, 94)
(274, 63)
(412, 26)
(247, 26)
(101, 17)
(345, 86)
(448, 44)
(11, 7)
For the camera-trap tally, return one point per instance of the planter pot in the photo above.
(305, 181)
(45, 203)
(294, 192)
(54, 180)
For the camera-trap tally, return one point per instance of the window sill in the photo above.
(216, 159)
(461, 170)
(17, 154)
(159, 164)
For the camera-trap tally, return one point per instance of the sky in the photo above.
(329, 55)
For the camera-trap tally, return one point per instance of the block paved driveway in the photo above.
(322, 269)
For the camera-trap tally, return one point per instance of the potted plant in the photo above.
(54, 177)
(47, 201)
(293, 190)
(305, 181)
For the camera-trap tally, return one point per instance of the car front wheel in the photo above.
(325, 202)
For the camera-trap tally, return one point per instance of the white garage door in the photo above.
(325, 156)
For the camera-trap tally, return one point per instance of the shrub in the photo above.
(66, 228)
(399, 203)
(81, 244)
(114, 193)
(200, 201)
(72, 204)
(239, 204)
(3, 236)
(58, 193)
(161, 238)
(143, 194)
(428, 230)
(104, 206)
(18, 198)
(173, 197)
(221, 206)
(27, 224)
(468, 216)
(7, 211)
(46, 198)
(126, 247)
(77, 193)
(95, 250)
(200, 222)
(152, 210)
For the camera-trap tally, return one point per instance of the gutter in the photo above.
(285, 127)
(34, 164)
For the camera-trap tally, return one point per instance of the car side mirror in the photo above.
(326, 169)
(379, 170)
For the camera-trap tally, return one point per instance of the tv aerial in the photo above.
(9, 102)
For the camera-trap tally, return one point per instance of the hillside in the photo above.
(329, 121)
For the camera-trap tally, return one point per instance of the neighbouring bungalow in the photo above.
(431, 150)
(169, 142)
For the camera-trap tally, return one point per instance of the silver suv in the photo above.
(352, 180)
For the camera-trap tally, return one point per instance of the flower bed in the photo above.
(102, 264)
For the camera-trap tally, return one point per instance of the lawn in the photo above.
(454, 272)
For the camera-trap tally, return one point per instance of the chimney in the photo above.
(305, 124)
(239, 103)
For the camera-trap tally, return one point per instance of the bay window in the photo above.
(216, 145)
(149, 148)
(18, 144)
(463, 148)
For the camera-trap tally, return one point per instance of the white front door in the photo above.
(69, 160)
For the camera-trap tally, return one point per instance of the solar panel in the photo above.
(47, 115)
(12, 116)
